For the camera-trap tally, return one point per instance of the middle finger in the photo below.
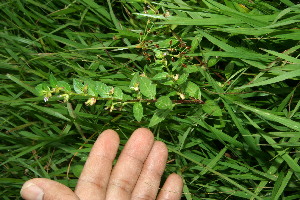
(130, 163)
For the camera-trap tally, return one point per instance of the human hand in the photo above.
(136, 174)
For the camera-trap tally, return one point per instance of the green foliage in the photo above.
(164, 102)
(147, 88)
(138, 111)
(217, 81)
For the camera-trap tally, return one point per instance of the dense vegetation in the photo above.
(217, 81)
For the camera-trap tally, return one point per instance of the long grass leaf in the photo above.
(218, 134)
(284, 183)
(272, 117)
(203, 22)
(50, 112)
(282, 77)
(21, 83)
(283, 56)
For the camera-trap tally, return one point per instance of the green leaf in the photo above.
(130, 56)
(50, 111)
(287, 2)
(213, 162)
(248, 31)
(168, 83)
(160, 76)
(103, 90)
(65, 41)
(246, 18)
(195, 42)
(64, 85)
(53, 81)
(191, 69)
(222, 20)
(91, 86)
(158, 117)
(98, 8)
(270, 116)
(182, 78)
(239, 54)
(212, 62)
(193, 90)
(164, 102)
(166, 43)
(135, 81)
(147, 88)
(77, 169)
(282, 182)
(30, 135)
(282, 77)
(21, 83)
(159, 54)
(63, 12)
(41, 87)
(118, 93)
(211, 108)
(78, 86)
(138, 111)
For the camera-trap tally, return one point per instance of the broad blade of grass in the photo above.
(50, 112)
(272, 117)
(282, 77)
(21, 83)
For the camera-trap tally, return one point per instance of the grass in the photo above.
(217, 81)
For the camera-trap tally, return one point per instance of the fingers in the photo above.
(92, 183)
(136, 175)
(129, 166)
(172, 189)
(149, 180)
(45, 189)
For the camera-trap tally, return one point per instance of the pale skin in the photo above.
(135, 176)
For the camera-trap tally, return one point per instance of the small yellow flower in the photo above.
(135, 87)
(47, 94)
(91, 101)
(57, 89)
(111, 92)
(181, 96)
(85, 89)
(65, 96)
(176, 77)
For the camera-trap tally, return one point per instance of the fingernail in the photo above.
(31, 191)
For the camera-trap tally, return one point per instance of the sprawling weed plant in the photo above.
(216, 80)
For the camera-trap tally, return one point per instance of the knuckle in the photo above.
(123, 184)
(143, 197)
(100, 186)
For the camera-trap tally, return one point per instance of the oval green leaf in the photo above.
(164, 102)
(138, 111)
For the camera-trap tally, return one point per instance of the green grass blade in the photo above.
(218, 174)
(282, 77)
(272, 117)
(283, 184)
(283, 56)
(21, 83)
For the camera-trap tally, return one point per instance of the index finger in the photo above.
(92, 183)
